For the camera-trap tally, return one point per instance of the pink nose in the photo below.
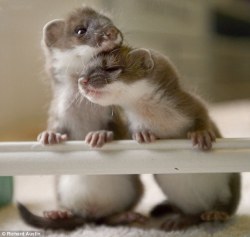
(111, 33)
(83, 80)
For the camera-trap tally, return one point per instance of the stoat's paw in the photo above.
(126, 218)
(99, 138)
(49, 138)
(202, 138)
(55, 215)
(175, 223)
(143, 136)
(211, 216)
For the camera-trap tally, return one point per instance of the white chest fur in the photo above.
(164, 124)
(71, 61)
(150, 112)
(77, 114)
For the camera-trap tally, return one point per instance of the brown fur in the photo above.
(134, 67)
(165, 106)
(74, 116)
(62, 33)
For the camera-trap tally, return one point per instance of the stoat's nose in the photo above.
(83, 81)
(111, 33)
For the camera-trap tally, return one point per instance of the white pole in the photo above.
(123, 157)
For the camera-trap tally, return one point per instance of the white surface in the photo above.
(124, 157)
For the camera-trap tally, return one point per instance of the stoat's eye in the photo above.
(113, 69)
(80, 30)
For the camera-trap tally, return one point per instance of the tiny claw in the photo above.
(63, 137)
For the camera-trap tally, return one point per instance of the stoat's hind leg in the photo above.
(57, 214)
(164, 208)
(211, 216)
(180, 222)
(125, 218)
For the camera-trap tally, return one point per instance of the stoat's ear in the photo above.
(144, 56)
(52, 32)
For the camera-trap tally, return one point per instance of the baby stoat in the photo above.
(146, 85)
(69, 44)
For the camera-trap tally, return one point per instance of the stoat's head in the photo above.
(117, 78)
(82, 27)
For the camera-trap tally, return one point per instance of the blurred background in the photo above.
(208, 41)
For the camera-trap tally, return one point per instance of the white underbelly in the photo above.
(194, 193)
(96, 196)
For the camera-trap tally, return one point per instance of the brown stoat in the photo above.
(69, 44)
(146, 85)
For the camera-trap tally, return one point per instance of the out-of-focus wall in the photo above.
(214, 65)
(179, 29)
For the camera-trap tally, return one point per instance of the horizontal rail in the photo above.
(124, 157)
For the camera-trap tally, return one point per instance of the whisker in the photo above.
(83, 65)
(81, 99)
(72, 102)
(77, 98)
(67, 68)
(106, 25)
(114, 50)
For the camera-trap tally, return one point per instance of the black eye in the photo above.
(80, 30)
(113, 69)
